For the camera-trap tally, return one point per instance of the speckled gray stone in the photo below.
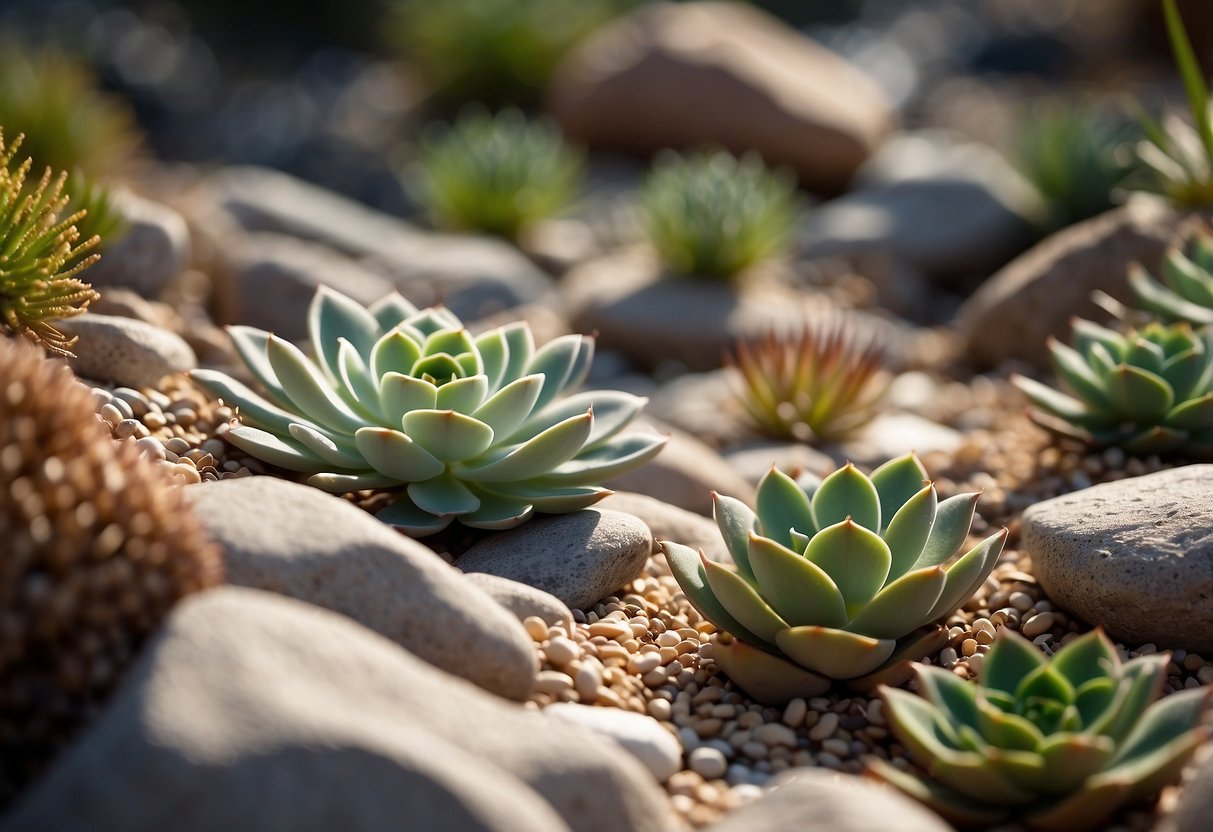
(298, 541)
(125, 351)
(154, 249)
(579, 557)
(522, 600)
(816, 800)
(253, 711)
(1135, 556)
(669, 522)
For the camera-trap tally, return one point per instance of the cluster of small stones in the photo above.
(649, 651)
(178, 426)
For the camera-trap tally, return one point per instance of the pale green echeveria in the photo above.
(1056, 743)
(483, 429)
(834, 579)
(1186, 290)
(1146, 391)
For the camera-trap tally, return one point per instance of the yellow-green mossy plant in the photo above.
(98, 545)
(486, 430)
(1058, 744)
(497, 174)
(837, 579)
(41, 255)
(713, 214)
(819, 384)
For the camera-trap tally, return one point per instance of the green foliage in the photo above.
(40, 254)
(498, 174)
(493, 51)
(834, 579)
(69, 124)
(1146, 391)
(98, 215)
(1076, 158)
(485, 430)
(716, 215)
(817, 384)
(1057, 743)
(1179, 155)
(1186, 293)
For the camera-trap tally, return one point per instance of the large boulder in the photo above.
(298, 541)
(721, 73)
(1135, 556)
(1034, 296)
(253, 711)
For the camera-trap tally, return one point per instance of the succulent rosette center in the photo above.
(834, 579)
(486, 429)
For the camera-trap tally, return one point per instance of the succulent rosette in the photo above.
(834, 579)
(483, 429)
(1186, 290)
(1057, 743)
(1146, 391)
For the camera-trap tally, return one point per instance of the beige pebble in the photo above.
(1038, 625)
(825, 727)
(177, 445)
(659, 709)
(610, 629)
(561, 651)
(1020, 601)
(536, 627)
(642, 663)
(775, 733)
(187, 473)
(709, 763)
(709, 727)
(587, 681)
(552, 682)
(111, 414)
(794, 713)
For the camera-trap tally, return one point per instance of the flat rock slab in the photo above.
(579, 557)
(254, 711)
(1135, 556)
(815, 800)
(298, 541)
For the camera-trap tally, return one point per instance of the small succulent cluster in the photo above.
(497, 174)
(1146, 391)
(97, 546)
(1077, 157)
(1186, 290)
(497, 51)
(716, 214)
(1057, 743)
(480, 429)
(818, 384)
(834, 579)
(41, 255)
(68, 122)
(1179, 155)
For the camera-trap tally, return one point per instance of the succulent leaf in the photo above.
(799, 590)
(847, 493)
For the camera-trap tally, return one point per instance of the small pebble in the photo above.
(708, 762)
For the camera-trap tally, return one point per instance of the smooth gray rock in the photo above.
(668, 522)
(153, 251)
(298, 541)
(1034, 296)
(254, 711)
(125, 351)
(816, 800)
(722, 74)
(684, 474)
(891, 435)
(705, 405)
(642, 736)
(522, 600)
(473, 276)
(579, 557)
(1135, 556)
(273, 278)
(944, 206)
(1195, 806)
(753, 459)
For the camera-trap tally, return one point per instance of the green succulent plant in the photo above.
(68, 122)
(495, 51)
(480, 429)
(716, 214)
(1077, 157)
(99, 217)
(1186, 291)
(1057, 743)
(818, 384)
(1145, 391)
(40, 254)
(1179, 155)
(497, 174)
(834, 579)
